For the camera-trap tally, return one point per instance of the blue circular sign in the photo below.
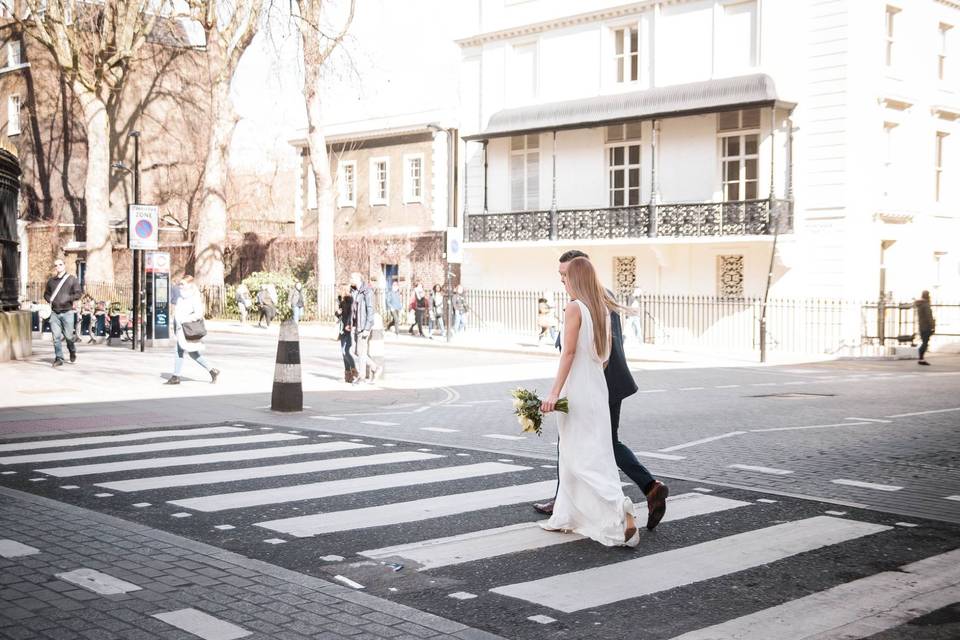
(143, 229)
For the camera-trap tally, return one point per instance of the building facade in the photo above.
(688, 145)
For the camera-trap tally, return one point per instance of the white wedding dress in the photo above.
(590, 499)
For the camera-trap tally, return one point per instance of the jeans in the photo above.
(459, 321)
(361, 351)
(346, 341)
(924, 342)
(297, 314)
(393, 321)
(61, 326)
(196, 355)
(437, 321)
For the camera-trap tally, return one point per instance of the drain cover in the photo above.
(795, 396)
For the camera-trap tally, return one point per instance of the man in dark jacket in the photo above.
(926, 324)
(620, 385)
(62, 291)
(362, 325)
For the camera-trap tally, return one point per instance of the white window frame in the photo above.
(346, 191)
(521, 156)
(630, 60)
(376, 198)
(939, 152)
(13, 115)
(719, 21)
(741, 158)
(408, 195)
(890, 34)
(943, 71)
(622, 140)
(14, 54)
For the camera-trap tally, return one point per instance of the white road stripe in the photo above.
(768, 470)
(500, 436)
(954, 498)
(702, 441)
(661, 456)
(202, 624)
(98, 582)
(866, 485)
(378, 423)
(315, 490)
(653, 391)
(727, 386)
(126, 437)
(413, 511)
(857, 609)
(689, 388)
(490, 543)
(204, 458)
(14, 549)
(330, 418)
(347, 581)
(922, 413)
(811, 426)
(611, 583)
(870, 420)
(270, 471)
(145, 448)
(439, 429)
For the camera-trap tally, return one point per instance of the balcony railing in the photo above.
(683, 220)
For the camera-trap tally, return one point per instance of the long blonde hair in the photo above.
(586, 287)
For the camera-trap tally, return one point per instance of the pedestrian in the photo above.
(436, 311)
(635, 302)
(620, 385)
(61, 293)
(100, 319)
(460, 309)
(394, 308)
(419, 305)
(87, 306)
(267, 305)
(244, 302)
(361, 324)
(344, 314)
(546, 318)
(296, 301)
(926, 324)
(187, 327)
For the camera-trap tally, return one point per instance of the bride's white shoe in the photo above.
(631, 535)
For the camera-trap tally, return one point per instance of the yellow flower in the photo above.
(517, 403)
(528, 425)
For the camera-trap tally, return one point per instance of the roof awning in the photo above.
(695, 98)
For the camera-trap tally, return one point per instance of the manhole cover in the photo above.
(795, 396)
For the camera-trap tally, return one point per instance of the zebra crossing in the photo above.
(450, 531)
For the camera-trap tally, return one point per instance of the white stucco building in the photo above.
(667, 138)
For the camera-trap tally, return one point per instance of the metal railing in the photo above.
(695, 219)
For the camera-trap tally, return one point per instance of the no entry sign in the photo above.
(143, 231)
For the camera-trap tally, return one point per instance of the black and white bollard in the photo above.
(287, 385)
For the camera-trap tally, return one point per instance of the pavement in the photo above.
(752, 453)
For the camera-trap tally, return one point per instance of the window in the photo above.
(890, 29)
(626, 47)
(523, 74)
(524, 172)
(13, 53)
(413, 178)
(938, 165)
(737, 39)
(347, 183)
(623, 164)
(944, 35)
(379, 181)
(740, 153)
(13, 115)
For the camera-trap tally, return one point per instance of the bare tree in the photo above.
(94, 46)
(229, 28)
(318, 46)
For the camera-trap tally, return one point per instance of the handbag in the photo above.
(194, 330)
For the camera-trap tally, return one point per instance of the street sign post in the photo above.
(143, 231)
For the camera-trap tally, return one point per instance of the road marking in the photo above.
(922, 413)
(766, 501)
(8, 473)
(764, 384)
(661, 456)
(275, 541)
(694, 443)
(858, 609)
(14, 549)
(480, 401)
(347, 581)
(703, 490)
(653, 391)
(144, 448)
(600, 586)
(689, 388)
(866, 485)
(413, 511)
(103, 495)
(38, 479)
(541, 619)
(500, 436)
(835, 513)
(202, 624)
(347, 486)
(811, 426)
(141, 505)
(98, 582)
(954, 498)
(182, 514)
(439, 429)
(378, 423)
(126, 437)
(768, 470)
(224, 527)
(908, 525)
(329, 418)
(205, 458)
(726, 386)
(276, 470)
(69, 486)
(869, 420)
(525, 536)
(462, 595)
(421, 409)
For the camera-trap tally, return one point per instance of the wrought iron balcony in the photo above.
(683, 220)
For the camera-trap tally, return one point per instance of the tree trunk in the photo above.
(96, 188)
(320, 161)
(212, 225)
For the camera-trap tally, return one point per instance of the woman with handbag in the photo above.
(189, 329)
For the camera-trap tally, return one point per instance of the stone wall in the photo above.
(16, 337)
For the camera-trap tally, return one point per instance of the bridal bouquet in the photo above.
(526, 406)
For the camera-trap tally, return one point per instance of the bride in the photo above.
(590, 499)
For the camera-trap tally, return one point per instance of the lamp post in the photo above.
(139, 266)
(452, 135)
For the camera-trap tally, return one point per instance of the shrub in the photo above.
(281, 281)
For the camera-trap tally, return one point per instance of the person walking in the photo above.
(460, 309)
(189, 309)
(61, 293)
(244, 302)
(267, 304)
(361, 324)
(926, 324)
(546, 318)
(394, 307)
(436, 311)
(620, 385)
(344, 314)
(295, 299)
(419, 304)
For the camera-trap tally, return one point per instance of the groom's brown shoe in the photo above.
(656, 504)
(545, 508)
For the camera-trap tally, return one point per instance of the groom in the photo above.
(620, 384)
